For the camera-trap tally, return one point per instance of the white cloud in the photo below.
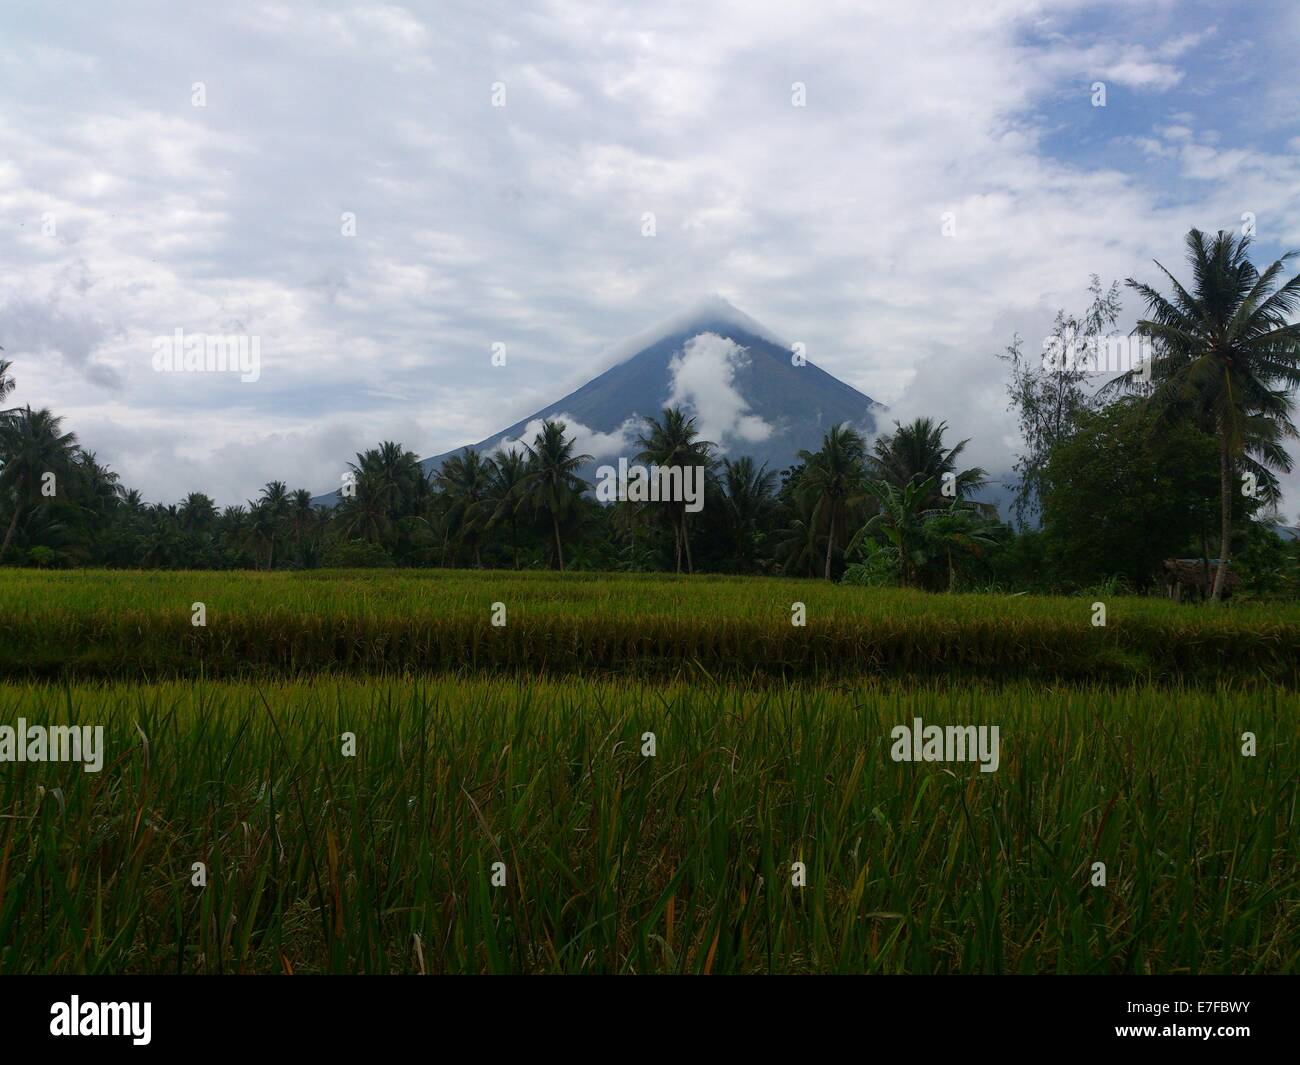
(703, 375)
(587, 441)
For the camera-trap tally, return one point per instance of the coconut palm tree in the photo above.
(197, 513)
(749, 494)
(269, 514)
(916, 450)
(99, 487)
(232, 532)
(919, 535)
(162, 545)
(798, 544)
(959, 530)
(833, 478)
(31, 446)
(7, 382)
(552, 485)
(365, 514)
(463, 481)
(1225, 354)
(303, 519)
(502, 495)
(395, 477)
(133, 502)
(675, 442)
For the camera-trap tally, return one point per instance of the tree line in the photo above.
(1109, 483)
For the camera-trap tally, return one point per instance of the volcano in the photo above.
(747, 389)
(750, 392)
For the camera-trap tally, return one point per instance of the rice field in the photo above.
(124, 624)
(359, 772)
(680, 861)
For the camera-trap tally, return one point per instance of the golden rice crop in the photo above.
(131, 624)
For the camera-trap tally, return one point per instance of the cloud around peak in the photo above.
(703, 376)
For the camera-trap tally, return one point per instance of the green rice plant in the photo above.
(620, 862)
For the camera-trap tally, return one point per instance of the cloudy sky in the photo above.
(196, 168)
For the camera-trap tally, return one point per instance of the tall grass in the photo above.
(679, 862)
(102, 624)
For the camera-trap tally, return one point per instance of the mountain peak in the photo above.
(748, 395)
(708, 313)
(716, 309)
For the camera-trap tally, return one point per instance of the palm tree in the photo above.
(919, 534)
(365, 515)
(1225, 353)
(162, 545)
(900, 520)
(958, 529)
(232, 532)
(31, 445)
(552, 484)
(303, 518)
(676, 442)
(7, 381)
(260, 530)
(133, 502)
(502, 494)
(96, 497)
(833, 478)
(749, 496)
(269, 514)
(197, 513)
(463, 482)
(395, 476)
(798, 544)
(916, 450)
(100, 492)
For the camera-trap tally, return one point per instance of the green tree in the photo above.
(1124, 493)
(305, 522)
(1050, 399)
(7, 382)
(365, 513)
(958, 535)
(396, 480)
(900, 522)
(32, 444)
(463, 480)
(552, 485)
(1225, 352)
(798, 542)
(269, 515)
(834, 477)
(674, 441)
(503, 494)
(917, 450)
(198, 513)
(749, 494)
